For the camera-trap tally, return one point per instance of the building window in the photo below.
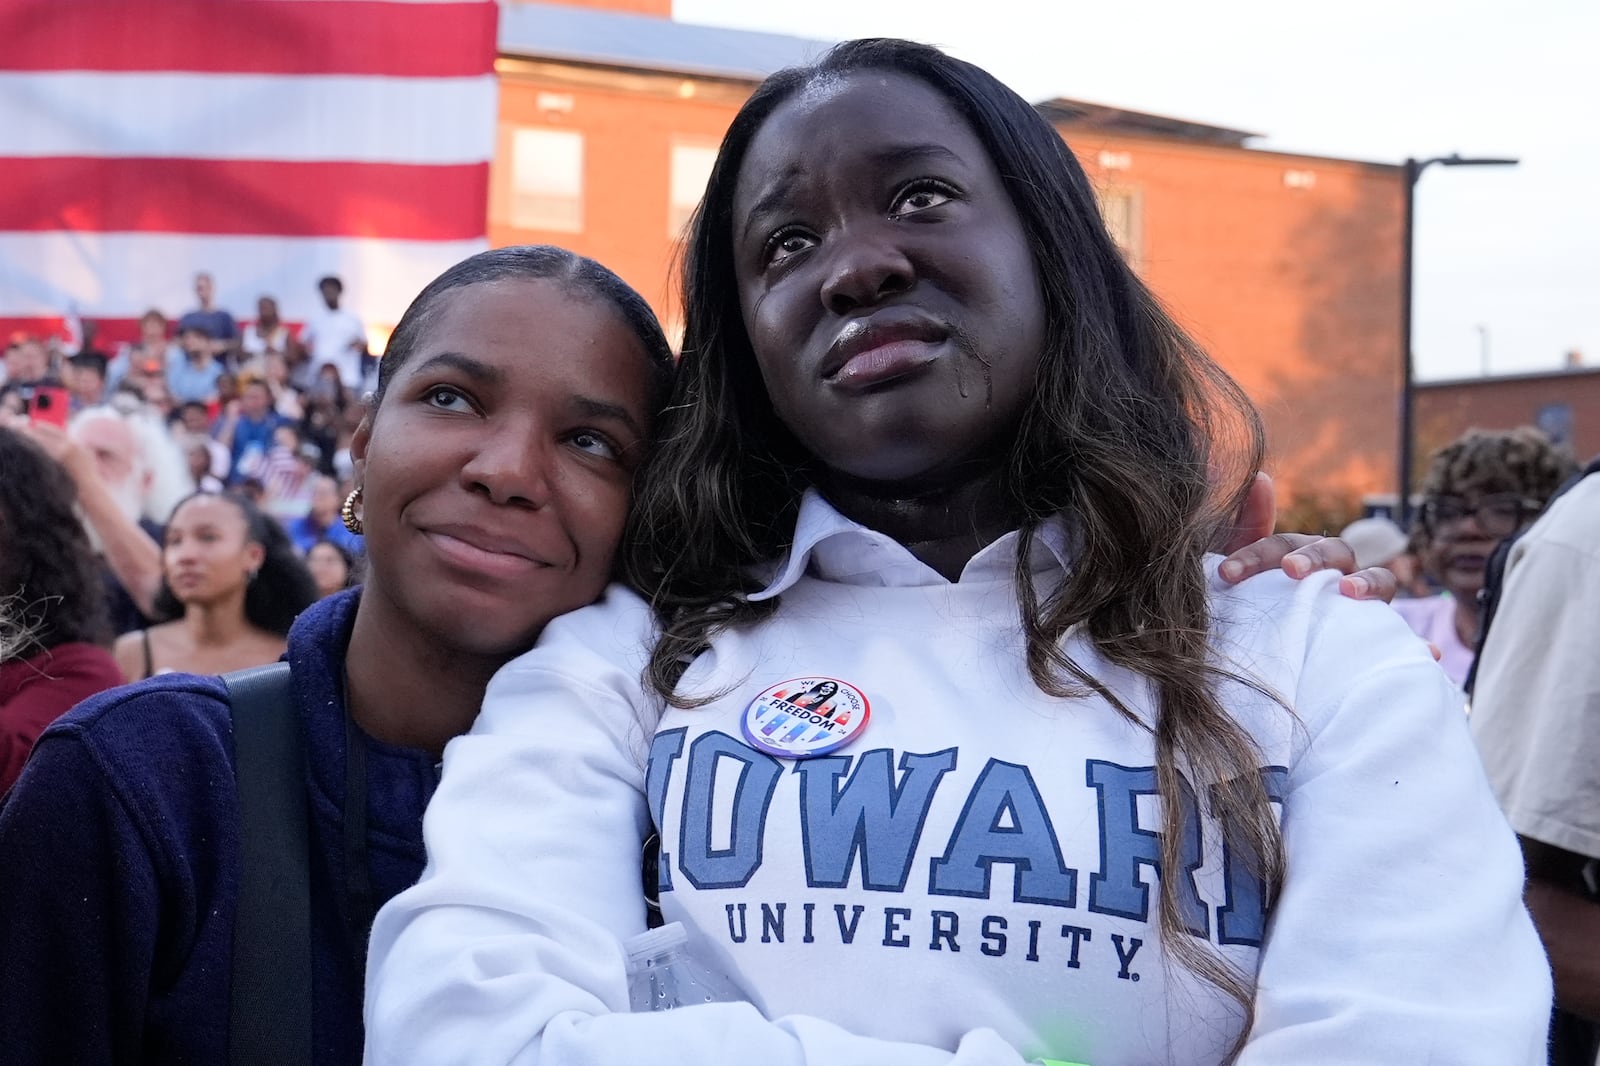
(1122, 208)
(1555, 419)
(691, 169)
(546, 180)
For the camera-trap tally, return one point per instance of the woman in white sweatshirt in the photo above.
(934, 447)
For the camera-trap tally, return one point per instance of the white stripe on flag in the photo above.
(116, 275)
(232, 116)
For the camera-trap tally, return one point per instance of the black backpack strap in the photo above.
(270, 1015)
(1494, 576)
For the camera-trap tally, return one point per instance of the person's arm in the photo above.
(509, 948)
(1399, 934)
(79, 917)
(1568, 917)
(227, 425)
(132, 554)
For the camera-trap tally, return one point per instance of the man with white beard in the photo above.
(130, 474)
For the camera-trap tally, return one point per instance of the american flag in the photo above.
(266, 142)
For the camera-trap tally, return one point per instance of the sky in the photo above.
(1507, 258)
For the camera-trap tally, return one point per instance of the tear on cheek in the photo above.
(969, 350)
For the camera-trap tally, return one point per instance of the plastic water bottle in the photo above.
(663, 974)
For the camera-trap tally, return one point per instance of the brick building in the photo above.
(1563, 403)
(1286, 267)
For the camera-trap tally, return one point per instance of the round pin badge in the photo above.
(806, 717)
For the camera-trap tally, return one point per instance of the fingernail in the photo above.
(1295, 566)
(1231, 570)
(1359, 585)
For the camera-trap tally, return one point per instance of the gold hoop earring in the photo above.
(352, 521)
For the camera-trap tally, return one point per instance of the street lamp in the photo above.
(1414, 169)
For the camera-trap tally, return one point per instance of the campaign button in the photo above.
(806, 717)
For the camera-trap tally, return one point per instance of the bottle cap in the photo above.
(654, 942)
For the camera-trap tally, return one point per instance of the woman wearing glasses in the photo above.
(1479, 490)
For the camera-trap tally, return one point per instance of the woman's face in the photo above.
(207, 553)
(327, 568)
(1457, 548)
(886, 282)
(496, 473)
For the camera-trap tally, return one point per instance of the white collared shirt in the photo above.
(836, 548)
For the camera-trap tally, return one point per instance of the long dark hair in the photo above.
(49, 580)
(1132, 432)
(282, 587)
(580, 275)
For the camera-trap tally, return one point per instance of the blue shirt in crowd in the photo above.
(190, 383)
(216, 323)
(253, 435)
(119, 867)
(305, 532)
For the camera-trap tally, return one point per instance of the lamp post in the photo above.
(1413, 171)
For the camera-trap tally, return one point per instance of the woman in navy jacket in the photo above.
(494, 473)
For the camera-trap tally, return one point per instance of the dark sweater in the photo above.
(119, 867)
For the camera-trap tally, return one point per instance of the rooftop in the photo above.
(642, 42)
(1568, 372)
(1085, 115)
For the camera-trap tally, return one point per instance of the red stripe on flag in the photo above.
(362, 37)
(110, 333)
(224, 196)
(113, 331)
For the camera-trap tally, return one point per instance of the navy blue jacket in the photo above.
(119, 867)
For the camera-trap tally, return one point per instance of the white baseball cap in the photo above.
(1375, 541)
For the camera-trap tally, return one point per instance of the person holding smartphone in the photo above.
(30, 388)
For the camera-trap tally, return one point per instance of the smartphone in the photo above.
(50, 404)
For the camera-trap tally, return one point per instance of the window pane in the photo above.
(1120, 208)
(691, 169)
(547, 180)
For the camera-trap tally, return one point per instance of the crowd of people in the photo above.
(199, 405)
(175, 505)
(256, 408)
(881, 630)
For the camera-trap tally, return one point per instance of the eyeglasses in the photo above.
(1498, 516)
